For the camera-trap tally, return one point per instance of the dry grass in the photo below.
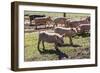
(80, 49)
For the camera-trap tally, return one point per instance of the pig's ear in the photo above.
(78, 29)
(63, 35)
(56, 37)
(74, 29)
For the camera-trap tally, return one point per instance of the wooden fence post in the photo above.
(64, 15)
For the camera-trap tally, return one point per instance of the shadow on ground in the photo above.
(69, 45)
(84, 34)
(60, 54)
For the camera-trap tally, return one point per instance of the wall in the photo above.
(5, 34)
